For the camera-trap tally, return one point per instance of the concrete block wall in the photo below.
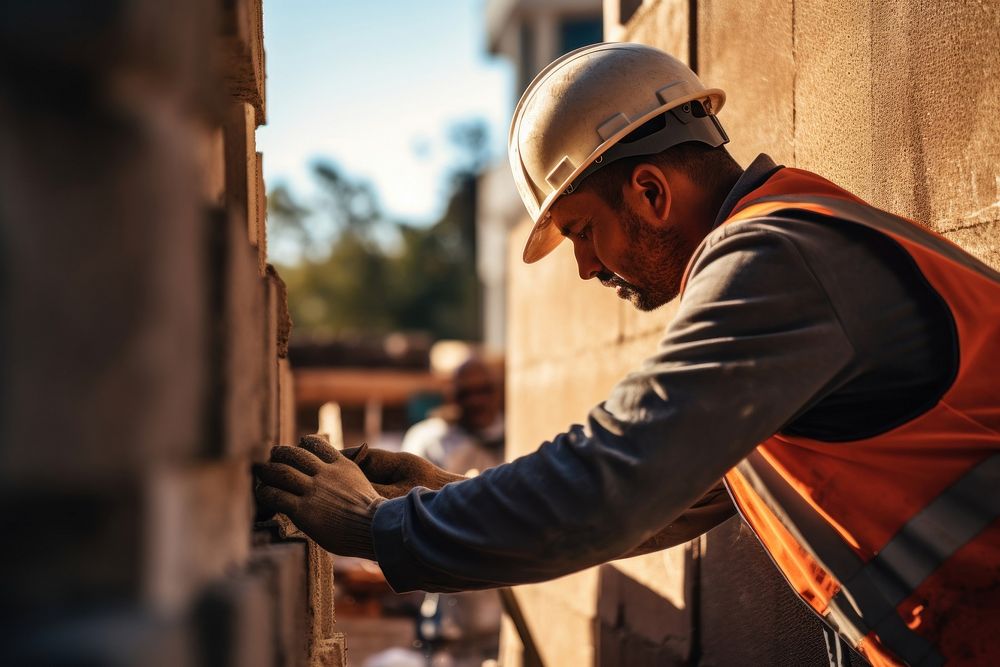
(144, 346)
(896, 101)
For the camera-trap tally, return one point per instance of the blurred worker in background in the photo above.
(465, 437)
(832, 366)
(467, 434)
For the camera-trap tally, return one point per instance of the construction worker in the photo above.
(834, 366)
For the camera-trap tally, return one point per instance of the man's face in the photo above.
(627, 250)
(477, 395)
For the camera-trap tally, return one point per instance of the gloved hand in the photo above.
(393, 474)
(327, 497)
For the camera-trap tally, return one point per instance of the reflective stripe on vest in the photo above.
(861, 572)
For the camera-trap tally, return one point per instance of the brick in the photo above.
(638, 623)
(284, 318)
(562, 629)
(199, 526)
(369, 636)
(943, 173)
(239, 344)
(834, 52)
(212, 153)
(270, 364)
(77, 544)
(553, 314)
(259, 223)
(242, 197)
(889, 132)
(104, 300)
(242, 51)
(127, 636)
(663, 24)
(234, 620)
(330, 652)
(319, 565)
(321, 616)
(286, 394)
(284, 566)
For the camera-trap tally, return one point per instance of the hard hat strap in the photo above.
(688, 122)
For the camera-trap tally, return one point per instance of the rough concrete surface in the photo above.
(746, 48)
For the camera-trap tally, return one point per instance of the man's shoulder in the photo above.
(790, 240)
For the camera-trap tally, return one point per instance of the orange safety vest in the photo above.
(893, 540)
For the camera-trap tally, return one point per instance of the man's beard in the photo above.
(659, 257)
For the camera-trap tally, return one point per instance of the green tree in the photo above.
(350, 280)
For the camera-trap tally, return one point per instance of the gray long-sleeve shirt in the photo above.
(788, 324)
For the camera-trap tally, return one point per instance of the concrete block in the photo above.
(320, 614)
(889, 131)
(239, 343)
(284, 567)
(668, 577)
(832, 129)
(96, 636)
(242, 53)
(199, 523)
(284, 318)
(270, 364)
(287, 431)
(928, 166)
(330, 652)
(561, 616)
(758, 75)
(663, 24)
(546, 398)
(102, 219)
(258, 225)
(241, 167)
(212, 154)
(234, 620)
(981, 240)
(552, 313)
(69, 546)
(368, 636)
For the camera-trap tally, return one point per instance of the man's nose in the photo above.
(586, 261)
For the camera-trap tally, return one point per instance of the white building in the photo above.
(530, 34)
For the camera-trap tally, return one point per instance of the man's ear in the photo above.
(651, 191)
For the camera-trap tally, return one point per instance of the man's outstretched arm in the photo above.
(755, 342)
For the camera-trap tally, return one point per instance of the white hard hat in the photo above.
(572, 118)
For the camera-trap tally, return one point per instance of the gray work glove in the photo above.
(326, 496)
(393, 474)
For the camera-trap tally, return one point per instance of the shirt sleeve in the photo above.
(755, 341)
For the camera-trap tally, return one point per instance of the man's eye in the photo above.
(583, 233)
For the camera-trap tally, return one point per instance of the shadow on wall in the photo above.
(738, 611)
(635, 625)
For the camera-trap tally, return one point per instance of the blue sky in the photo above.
(374, 87)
